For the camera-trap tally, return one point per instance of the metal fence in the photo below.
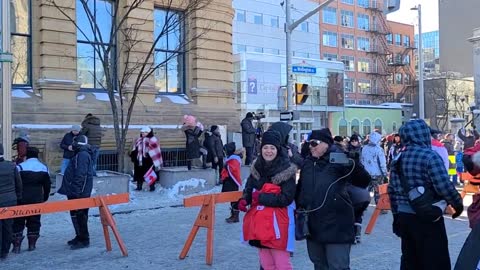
(172, 157)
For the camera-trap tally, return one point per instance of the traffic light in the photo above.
(301, 93)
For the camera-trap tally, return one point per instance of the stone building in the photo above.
(57, 76)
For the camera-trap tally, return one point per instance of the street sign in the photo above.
(289, 116)
(304, 70)
(252, 86)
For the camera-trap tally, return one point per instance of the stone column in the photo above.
(476, 69)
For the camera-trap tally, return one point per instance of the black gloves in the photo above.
(458, 210)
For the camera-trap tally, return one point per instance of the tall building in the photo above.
(58, 78)
(456, 24)
(378, 54)
(259, 46)
(431, 51)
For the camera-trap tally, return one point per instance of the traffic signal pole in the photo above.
(289, 27)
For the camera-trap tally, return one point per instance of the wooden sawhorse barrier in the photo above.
(383, 204)
(206, 218)
(101, 202)
(468, 187)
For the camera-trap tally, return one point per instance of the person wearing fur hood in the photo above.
(146, 153)
(270, 192)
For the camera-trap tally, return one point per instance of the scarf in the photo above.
(145, 145)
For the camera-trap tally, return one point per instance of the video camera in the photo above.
(258, 116)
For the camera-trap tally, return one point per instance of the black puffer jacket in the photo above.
(333, 223)
(10, 183)
(78, 178)
(213, 143)
(36, 181)
(92, 129)
(192, 142)
(66, 142)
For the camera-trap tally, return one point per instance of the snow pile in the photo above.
(177, 99)
(101, 96)
(182, 186)
(158, 99)
(19, 93)
(81, 97)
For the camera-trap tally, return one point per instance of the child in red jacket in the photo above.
(231, 178)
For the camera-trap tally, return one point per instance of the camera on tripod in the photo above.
(258, 116)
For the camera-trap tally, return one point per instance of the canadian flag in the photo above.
(150, 176)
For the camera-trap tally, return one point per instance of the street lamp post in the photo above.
(5, 60)
(421, 91)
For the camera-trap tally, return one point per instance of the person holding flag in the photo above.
(147, 158)
(231, 178)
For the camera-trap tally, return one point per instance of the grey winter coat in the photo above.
(10, 183)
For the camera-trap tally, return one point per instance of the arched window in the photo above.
(378, 125)
(343, 127)
(367, 127)
(355, 126)
(394, 127)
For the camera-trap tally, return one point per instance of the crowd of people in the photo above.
(317, 193)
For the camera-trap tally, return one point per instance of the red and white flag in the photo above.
(150, 176)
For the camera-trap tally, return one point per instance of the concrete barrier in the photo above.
(106, 182)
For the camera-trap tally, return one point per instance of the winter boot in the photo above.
(17, 242)
(234, 217)
(358, 233)
(73, 241)
(32, 241)
(80, 244)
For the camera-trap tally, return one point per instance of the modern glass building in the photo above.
(431, 50)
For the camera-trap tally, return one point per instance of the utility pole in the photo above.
(421, 90)
(289, 27)
(6, 60)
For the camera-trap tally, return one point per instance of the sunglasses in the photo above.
(314, 143)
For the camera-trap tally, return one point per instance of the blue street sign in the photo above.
(303, 69)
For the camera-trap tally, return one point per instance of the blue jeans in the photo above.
(64, 165)
(95, 154)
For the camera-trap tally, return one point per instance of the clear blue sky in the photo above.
(429, 14)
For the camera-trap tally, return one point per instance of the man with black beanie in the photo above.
(10, 193)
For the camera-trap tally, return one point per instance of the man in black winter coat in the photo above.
(36, 189)
(66, 145)
(78, 183)
(10, 193)
(92, 129)
(322, 190)
(248, 137)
